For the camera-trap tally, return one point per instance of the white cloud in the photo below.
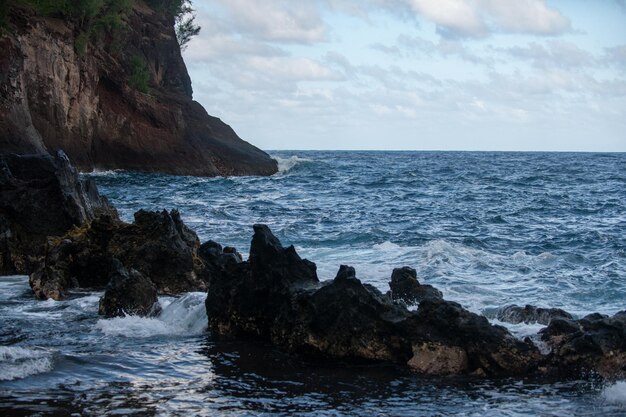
(277, 20)
(456, 17)
(292, 69)
(479, 18)
(553, 54)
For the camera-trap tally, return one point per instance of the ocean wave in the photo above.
(183, 316)
(287, 164)
(18, 362)
(615, 393)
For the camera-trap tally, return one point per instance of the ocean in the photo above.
(487, 229)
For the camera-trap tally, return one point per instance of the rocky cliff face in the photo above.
(52, 97)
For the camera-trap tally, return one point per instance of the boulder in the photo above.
(405, 287)
(41, 196)
(157, 244)
(530, 314)
(128, 293)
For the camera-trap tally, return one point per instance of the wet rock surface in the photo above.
(530, 314)
(41, 196)
(128, 293)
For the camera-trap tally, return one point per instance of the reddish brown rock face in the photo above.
(53, 98)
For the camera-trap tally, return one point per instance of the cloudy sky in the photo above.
(415, 74)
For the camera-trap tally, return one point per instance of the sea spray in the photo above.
(615, 393)
(185, 315)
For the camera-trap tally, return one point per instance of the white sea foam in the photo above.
(387, 246)
(615, 393)
(97, 172)
(183, 316)
(18, 362)
(287, 164)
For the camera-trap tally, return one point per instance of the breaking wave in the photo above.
(18, 362)
(182, 316)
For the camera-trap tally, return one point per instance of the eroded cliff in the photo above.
(60, 90)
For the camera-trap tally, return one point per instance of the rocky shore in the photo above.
(277, 297)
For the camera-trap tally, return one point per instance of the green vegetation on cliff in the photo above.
(95, 18)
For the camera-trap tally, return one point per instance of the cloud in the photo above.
(292, 69)
(277, 20)
(479, 18)
(555, 54)
(416, 46)
(453, 17)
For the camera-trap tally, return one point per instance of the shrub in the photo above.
(139, 75)
(80, 44)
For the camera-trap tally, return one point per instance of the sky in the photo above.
(501, 75)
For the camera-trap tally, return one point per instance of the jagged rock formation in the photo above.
(276, 296)
(157, 244)
(53, 97)
(41, 196)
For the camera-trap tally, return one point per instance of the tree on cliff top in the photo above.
(184, 18)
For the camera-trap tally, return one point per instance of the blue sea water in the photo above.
(488, 229)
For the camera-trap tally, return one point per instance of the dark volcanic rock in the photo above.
(344, 319)
(447, 339)
(248, 296)
(161, 247)
(128, 293)
(52, 97)
(405, 287)
(530, 314)
(41, 196)
(276, 296)
(593, 343)
(216, 260)
(157, 244)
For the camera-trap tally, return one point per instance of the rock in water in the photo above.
(405, 287)
(157, 244)
(594, 343)
(87, 100)
(530, 314)
(41, 196)
(276, 296)
(128, 293)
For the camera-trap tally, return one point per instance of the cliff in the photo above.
(61, 89)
